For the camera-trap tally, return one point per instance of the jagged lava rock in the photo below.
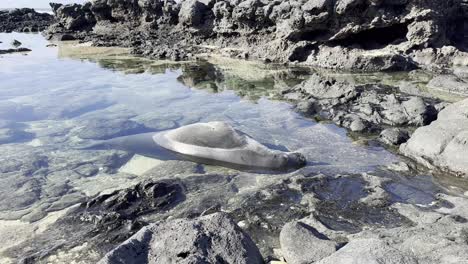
(209, 239)
(361, 108)
(24, 20)
(354, 35)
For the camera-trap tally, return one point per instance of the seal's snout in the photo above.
(296, 160)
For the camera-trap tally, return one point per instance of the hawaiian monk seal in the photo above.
(215, 143)
(218, 142)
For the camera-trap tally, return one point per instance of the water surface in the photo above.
(58, 97)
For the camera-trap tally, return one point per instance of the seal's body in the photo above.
(215, 143)
(219, 142)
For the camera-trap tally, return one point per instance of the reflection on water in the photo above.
(70, 100)
(57, 98)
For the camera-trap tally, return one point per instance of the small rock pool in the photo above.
(58, 97)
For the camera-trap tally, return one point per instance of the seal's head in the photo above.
(291, 160)
(295, 160)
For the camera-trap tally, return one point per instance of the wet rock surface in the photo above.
(361, 108)
(320, 219)
(15, 50)
(348, 35)
(63, 204)
(105, 129)
(394, 136)
(444, 142)
(105, 220)
(24, 20)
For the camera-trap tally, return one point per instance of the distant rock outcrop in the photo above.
(357, 35)
(24, 20)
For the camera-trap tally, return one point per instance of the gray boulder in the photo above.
(394, 136)
(110, 128)
(209, 239)
(444, 143)
(192, 12)
(369, 251)
(302, 244)
(74, 17)
(361, 108)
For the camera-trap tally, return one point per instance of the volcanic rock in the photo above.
(351, 35)
(443, 143)
(24, 20)
(209, 239)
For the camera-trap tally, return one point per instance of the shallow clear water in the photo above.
(56, 98)
(44, 88)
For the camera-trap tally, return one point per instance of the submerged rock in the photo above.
(14, 135)
(209, 239)
(110, 128)
(444, 143)
(450, 84)
(16, 43)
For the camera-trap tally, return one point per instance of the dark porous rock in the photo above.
(7, 51)
(74, 17)
(16, 43)
(443, 143)
(353, 35)
(394, 136)
(213, 238)
(102, 222)
(24, 20)
(192, 13)
(361, 108)
(110, 128)
(350, 203)
(129, 203)
(303, 244)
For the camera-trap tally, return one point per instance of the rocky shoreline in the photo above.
(387, 216)
(351, 35)
(439, 140)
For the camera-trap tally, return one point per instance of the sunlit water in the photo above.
(49, 97)
(41, 87)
